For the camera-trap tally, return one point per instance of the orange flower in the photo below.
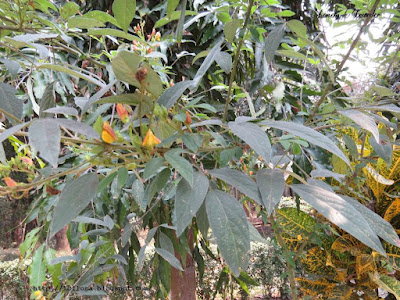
(150, 140)
(188, 119)
(108, 135)
(10, 182)
(122, 113)
(158, 36)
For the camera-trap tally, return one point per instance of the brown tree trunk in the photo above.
(183, 284)
(62, 243)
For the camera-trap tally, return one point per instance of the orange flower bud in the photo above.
(27, 160)
(108, 135)
(10, 182)
(122, 113)
(153, 32)
(149, 50)
(188, 119)
(150, 140)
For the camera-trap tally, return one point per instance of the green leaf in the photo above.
(138, 192)
(229, 225)
(286, 13)
(71, 72)
(273, 41)
(74, 198)
(106, 181)
(101, 16)
(254, 136)
(37, 269)
(122, 176)
(78, 127)
(69, 9)
(230, 29)
(169, 257)
(351, 145)
(363, 120)
(113, 33)
(379, 225)
(390, 284)
(209, 60)
(224, 60)
(310, 135)
(125, 66)
(271, 184)
(171, 6)
(297, 27)
(173, 17)
(384, 149)
(188, 200)
(29, 242)
(240, 181)
(12, 130)
(172, 94)
(45, 136)
(180, 164)
(10, 103)
(339, 212)
(181, 22)
(152, 167)
(124, 12)
(131, 99)
(63, 110)
(82, 22)
(157, 184)
(202, 220)
(293, 54)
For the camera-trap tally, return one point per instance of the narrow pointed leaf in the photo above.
(310, 135)
(171, 95)
(37, 269)
(339, 212)
(379, 225)
(254, 136)
(363, 120)
(271, 184)
(169, 257)
(124, 11)
(230, 227)
(180, 164)
(9, 102)
(74, 198)
(240, 181)
(47, 101)
(273, 41)
(12, 130)
(188, 200)
(44, 137)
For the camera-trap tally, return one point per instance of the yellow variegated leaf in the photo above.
(341, 275)
(295, 222)
(315, 262)
(315, 288)
(393, 254)
(340, 292)
(393, 210)
(378, 177)
(291, 242)
(364, 264)
(390, 284)
(349, 244)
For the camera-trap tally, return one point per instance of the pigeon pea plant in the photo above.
(112, 145)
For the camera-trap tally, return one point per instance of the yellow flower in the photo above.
(107, 134)
(38, 294)
(150, 140)
(299, 237)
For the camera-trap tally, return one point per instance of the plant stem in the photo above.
(353, 45)
(235, 62)
(281, 242)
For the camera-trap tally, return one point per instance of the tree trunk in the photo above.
(183, 284)
(62, 243)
